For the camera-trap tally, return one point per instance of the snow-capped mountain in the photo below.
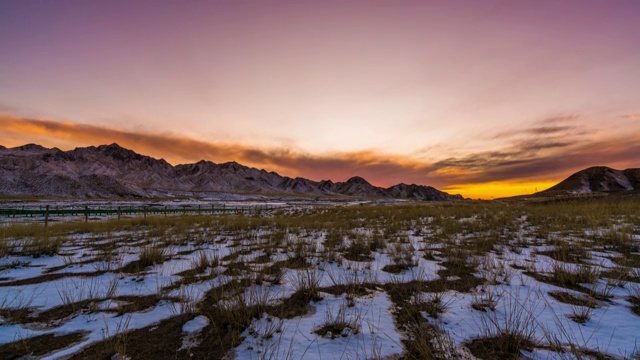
(111, 171)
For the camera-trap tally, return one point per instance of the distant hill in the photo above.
(111, 171)
(597, 179)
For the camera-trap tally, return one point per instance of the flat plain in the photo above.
(457, 280)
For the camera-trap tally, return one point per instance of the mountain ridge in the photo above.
(112, 171)
(597, 179)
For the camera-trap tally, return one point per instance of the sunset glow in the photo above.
(498, 189)
(486, 99)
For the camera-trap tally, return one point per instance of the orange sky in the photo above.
(523, 167)
(488, 98)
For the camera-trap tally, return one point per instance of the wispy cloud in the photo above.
(631, 116)
(530, 163)
(525, 158)
(559, 119)
(562, 125)
(542, 130)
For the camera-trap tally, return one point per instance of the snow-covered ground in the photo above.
(92, 276)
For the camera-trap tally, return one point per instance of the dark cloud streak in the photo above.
(529, 158)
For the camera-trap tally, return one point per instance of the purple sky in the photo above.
(503, 96)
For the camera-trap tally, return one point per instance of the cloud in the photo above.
(544, 130)
(535, 131)
(631, 116)
(561, 161)
(548, 130)
(552, 148)
(559, 119)
(529, 158)
(378, 168)
(517, 153)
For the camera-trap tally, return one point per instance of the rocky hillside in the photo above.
(597, 179)
(110, 171)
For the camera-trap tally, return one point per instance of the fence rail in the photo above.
(48, 212)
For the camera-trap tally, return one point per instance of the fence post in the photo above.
(118, 213)
(46, 216)
(86, 214)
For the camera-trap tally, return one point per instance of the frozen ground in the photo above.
(336, 282)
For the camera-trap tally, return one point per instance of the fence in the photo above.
(47, 211)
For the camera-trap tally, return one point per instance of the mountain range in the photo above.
(111, 171)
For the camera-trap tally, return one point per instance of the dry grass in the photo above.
(470, 242)
(338, 324)
(151, 255)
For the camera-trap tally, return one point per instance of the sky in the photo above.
(482, 98)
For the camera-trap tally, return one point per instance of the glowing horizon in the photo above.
(488, 99)
(451, 175)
